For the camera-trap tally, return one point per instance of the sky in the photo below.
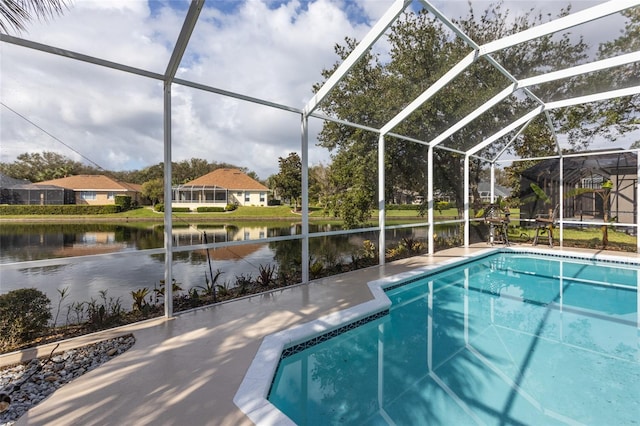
(269, 49)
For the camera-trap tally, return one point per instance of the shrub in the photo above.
(123, 201)
(231, 207)
(266, 274)
(24, 314)
(160, 208)
(210, 209)
(68, 209)
(103, 312)
(443, 205)
(402, 206)
(316, 269)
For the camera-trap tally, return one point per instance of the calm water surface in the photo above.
(113, 258)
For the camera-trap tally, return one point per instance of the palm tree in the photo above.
(14, 14)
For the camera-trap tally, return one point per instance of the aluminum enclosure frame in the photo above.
(311, 109)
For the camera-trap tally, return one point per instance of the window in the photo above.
(262, 197)
(246, 197)
(111, 195)
(88, 195)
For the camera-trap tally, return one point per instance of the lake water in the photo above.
(124, 257)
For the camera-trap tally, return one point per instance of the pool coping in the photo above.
(251, 396)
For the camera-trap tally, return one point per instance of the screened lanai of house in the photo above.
(481, 135)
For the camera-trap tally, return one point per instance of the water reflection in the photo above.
(47, 256)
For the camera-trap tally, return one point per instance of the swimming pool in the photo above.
(511, 337)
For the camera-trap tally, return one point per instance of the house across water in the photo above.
(219, 188)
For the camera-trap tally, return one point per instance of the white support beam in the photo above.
(445, 20)
(189, 24)
(79, 56)
(430, 203)
(369, 40)
(345, 122)
(172, 67)
(381, 202)
(168, 196)
(492, 178)
(552, 129)
(581, 69)
(560, 24)
(229, 94)
(465, 198)
(505, 130)
(455, 151)
(513, 139)
(304, 148)
(430, 92)
(593, 98)
(561, 201)
(557, 75)
(473, 115)
(637, 205)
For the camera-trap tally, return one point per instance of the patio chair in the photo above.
(545, 223)
(498, 219)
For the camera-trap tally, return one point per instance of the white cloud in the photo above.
(114, 118)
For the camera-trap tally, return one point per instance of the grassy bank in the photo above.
(241, 213)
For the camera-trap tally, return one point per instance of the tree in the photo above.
(320, 189)
(38, 167)
(288, 181)
(16, 13)
(154, 190)
(353, 150)
(181, 172)
(618, 116)
(421, 51)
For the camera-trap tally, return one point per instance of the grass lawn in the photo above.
(272, 212)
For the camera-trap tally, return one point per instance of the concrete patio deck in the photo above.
(186, 370)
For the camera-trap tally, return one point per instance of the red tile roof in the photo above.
(92, 183)
(232, 179)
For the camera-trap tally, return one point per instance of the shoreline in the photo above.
(97, 219)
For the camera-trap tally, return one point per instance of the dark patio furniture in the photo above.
(497, 219)
(545, 223)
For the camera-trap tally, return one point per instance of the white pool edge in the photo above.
(251, 397)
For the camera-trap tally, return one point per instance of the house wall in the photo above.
(102, 197)
(248, 198)
(623, 198)
(194, 206)
(241, 198)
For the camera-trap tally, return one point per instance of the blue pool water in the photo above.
(508, 339)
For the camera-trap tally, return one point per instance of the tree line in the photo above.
(38, 167)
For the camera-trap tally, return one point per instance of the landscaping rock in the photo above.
(27, 384)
